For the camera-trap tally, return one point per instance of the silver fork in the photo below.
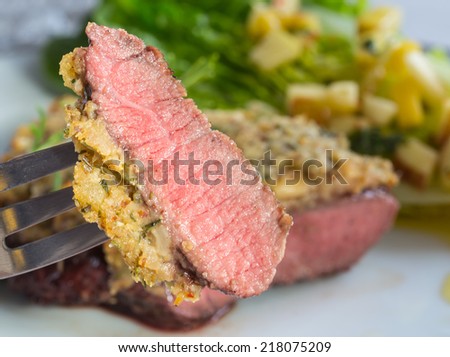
(22, 215)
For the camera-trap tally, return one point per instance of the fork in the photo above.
(17, 217)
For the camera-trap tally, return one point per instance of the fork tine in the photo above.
(49, 250)
(25, 214)
(38, 164)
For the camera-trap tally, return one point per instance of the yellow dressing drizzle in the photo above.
(445, 291)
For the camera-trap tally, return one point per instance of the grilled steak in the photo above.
(228, 235)
(332, 237)
(332, 228)
(334, 224)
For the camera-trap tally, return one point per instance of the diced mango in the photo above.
(407, 96)
(396, 62)
(276, 48)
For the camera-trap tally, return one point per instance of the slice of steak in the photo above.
(229, 234)
(83, 281)
(332, 237)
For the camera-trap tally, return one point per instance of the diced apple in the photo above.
(380, 111)
(310, 92)
(309, 99)
(343, 97)
(417, 161)
(276, 48)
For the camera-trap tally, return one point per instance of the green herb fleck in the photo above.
(151, 225)
(105, 186)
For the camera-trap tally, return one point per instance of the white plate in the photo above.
(394, 290)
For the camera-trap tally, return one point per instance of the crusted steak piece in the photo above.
(332, 237)
(83, 281)
(333, 227)
(229, 235)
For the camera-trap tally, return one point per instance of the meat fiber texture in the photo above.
(231, 235)
(332, 237)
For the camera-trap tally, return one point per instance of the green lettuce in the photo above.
(207, 46)
(347, 7)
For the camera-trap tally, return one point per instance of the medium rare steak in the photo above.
(325, 238)
(333, 236)
(228, 235)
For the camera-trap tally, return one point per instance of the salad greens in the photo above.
(43, 140)
(353, 8)
(38, 129)
(206, 44)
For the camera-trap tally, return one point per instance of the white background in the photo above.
(426, 21)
